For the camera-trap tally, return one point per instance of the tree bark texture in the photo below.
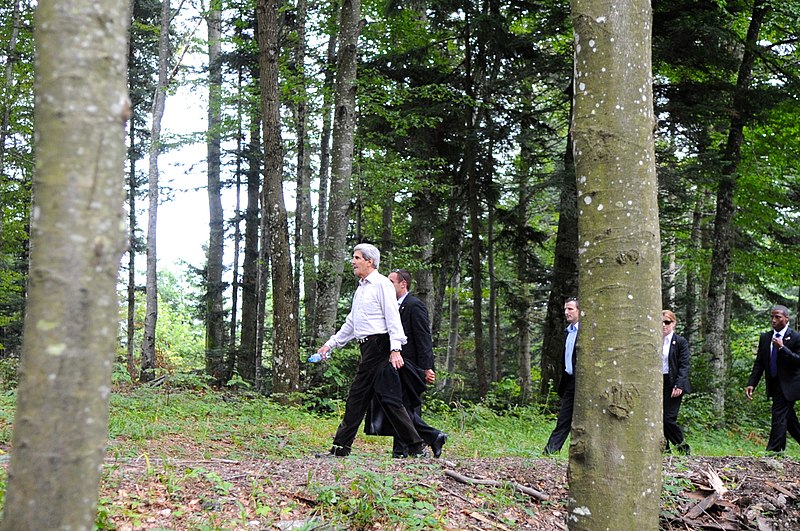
(332, 258)
(285, 342)
(565, 277)
(246, 355)
(159, 100)
(615, 450)
(78, 235)
(216, 366)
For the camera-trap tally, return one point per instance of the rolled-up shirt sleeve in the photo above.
(374, 311)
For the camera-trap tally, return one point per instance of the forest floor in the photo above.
(374, 492)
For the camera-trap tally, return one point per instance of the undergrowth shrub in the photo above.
(8, 373)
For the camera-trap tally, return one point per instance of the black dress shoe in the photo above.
(335, 451)
(437, 445)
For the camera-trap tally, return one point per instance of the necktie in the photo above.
(773, 360)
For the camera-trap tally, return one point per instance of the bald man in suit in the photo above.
(419, 351)
(778, 360)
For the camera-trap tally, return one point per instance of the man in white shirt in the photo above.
(374, 321)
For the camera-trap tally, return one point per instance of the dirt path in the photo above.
(364, 492)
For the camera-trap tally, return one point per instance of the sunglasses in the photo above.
(667, 322)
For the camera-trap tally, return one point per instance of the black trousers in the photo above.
(564, 420)
(427, 432)
(784, 419)
(374, 357)
(672, 432)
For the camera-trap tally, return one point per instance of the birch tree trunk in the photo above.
(215, 314)
(78, 236)
(285, 345)
(151, 307)
(615, 450)
(333, 250)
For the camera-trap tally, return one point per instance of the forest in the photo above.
(445, 133)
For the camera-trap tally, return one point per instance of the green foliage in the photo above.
(9, 376)
(503, 395)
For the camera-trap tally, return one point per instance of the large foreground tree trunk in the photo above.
(77, 239)
(616, 431)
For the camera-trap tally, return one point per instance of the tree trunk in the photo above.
(285, 345)
(306, 256)
(249, 344)
(230, 359)
(565, 276)
(325, 136)
(215, 315)
(476, 262)
(521, 303)
(131, 287)
(692, 326)
(454, 318)
(77, 240)
(616, 430)
(714, 344)
(151, 311)
(492, 321)
(332, 258)
(8, 82)
(422, 238)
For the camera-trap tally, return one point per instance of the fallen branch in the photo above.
(493, 483)
(701, 507)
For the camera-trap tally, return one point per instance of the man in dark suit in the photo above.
(675, 367)
(419, 351)
(778, 358)
(566, 386)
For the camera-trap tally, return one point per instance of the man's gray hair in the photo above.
(369, 252)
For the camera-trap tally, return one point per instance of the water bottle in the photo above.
(315, 358)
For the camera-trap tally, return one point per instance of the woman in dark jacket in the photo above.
(675, 367)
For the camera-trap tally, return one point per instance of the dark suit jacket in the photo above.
(678, 360)
(394, 387)
(788, 364)
(416, 325)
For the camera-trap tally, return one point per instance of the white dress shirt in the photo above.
(569, 347)
(665, 353)
(374, 311)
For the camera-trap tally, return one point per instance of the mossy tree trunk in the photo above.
(615, 449)
(77, 239)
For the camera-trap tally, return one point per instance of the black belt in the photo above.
(367, 338)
